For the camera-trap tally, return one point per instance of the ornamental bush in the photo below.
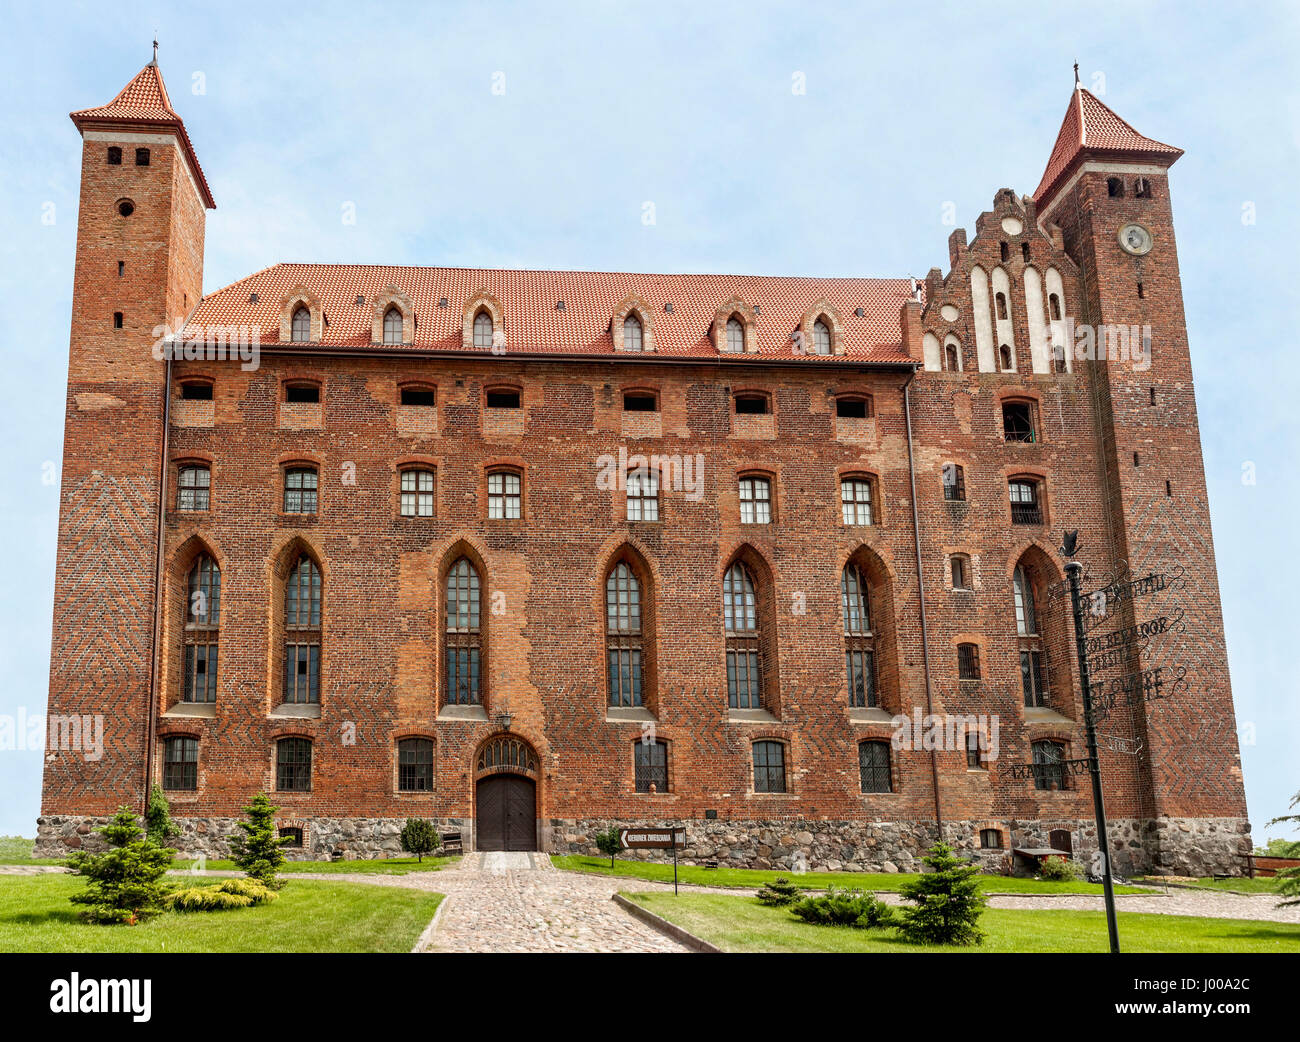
(840, 907)
(778, 893)
(231, 893)
(419, 837)
(125, 880)
(608, 842)
(1060, 869)
(158, 817)
(948, 901)
(258, 851)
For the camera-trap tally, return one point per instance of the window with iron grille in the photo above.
(769, 767)
(643, 494)
(859, 641)
(505, 495)
(417, 493)
(1048, 770)
(1025, 507)
(293, 765)
(735, 335)
(181, 763)
(991, 839)
(463, 637)
(393, 326)
(302, 621)
(873, 767)
(294, 835)
(855, 500)
(650, 763)
(202, 622)
(300, 326)
(193, 488)
(632, 333)
(483, 330)
(1034, 675)
(1023, 594)
(744, 655)
(821, 338)
(415, 765)
(623, 636)
(954, 482)
(755, 501)
(300, 490)
(968, 662)
(1018, 421)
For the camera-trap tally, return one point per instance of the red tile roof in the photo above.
(1090, 128)
(534, 325)
(144, 102)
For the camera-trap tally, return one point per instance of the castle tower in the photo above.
(1106, 187)
(139, 265)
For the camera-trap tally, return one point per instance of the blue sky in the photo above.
(690, 106)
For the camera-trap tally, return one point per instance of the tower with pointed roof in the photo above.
(138, 270)
(1107, 188)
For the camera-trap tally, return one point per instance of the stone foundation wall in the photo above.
(1165, 846)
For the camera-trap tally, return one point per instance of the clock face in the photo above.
(1135, 239)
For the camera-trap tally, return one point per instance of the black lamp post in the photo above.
(1074, 570)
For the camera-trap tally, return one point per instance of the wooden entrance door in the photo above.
(1059, 839)
(507, 813)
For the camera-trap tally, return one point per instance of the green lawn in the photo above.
(752, 879)
(393, 866)
(1240, 885)
(17, 850)
(741, 924)
(309, 916)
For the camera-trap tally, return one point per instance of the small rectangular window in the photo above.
(852, 408)
(196, 392)
(302, 393)
(1018, 421)
(751, 404)
(503, 399)
(117, 320)
(121, 268)
(300, 490)
(418, 396)
(141, 157)
(114, 155)
(639, 402)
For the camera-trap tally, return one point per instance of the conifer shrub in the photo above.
(258, 851)
(230, 893)
(843, 907)
(778, 893)
(947, 901)
(125, 881)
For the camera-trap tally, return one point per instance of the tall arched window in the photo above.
(744, 654)
(1033, 654)
(1005, 357)
(461, 684)
(952, 358)
(859, 642)
(632, 333)
(300, 327)
(392, 326)
(302, 598)
(735, 335)
(821, 338)
(202, 623)
(483, 330)
(623, 636)
(1001, 302)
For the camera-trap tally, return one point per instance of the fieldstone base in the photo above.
(1163, 846)
(352, 838)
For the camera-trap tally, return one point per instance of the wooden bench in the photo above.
(451, 843)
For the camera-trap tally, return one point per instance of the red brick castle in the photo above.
(529, 553)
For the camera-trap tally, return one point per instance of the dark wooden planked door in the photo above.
(1059, 839)
(507, 813)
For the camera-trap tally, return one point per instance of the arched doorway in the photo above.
(505, 795)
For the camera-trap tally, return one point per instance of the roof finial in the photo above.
(1076, 67)
(155, 49)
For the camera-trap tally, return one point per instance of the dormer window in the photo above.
(483, 330)
(393, 326)
(632, 333)
(735, 335)
(821, 338)
(300, 327)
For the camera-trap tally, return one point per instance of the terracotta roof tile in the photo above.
(534, 325)
(1090, 128)
(144, 101)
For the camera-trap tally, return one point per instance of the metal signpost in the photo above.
(655, 839)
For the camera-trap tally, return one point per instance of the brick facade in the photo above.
(121, 600)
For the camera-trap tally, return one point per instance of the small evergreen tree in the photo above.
(1290, 885)
(258, 851)
(419, 837)
(158, 817)
(948, 901)
(124, 882)
(778, 893)
(608, 842)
